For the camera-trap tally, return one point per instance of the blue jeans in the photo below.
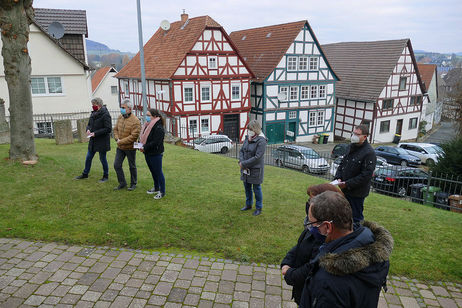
(102, 158)
(155, 166)
(249, 196)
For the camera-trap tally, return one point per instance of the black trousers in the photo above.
(357, 206)
(118, 161)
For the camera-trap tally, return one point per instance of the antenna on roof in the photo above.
(184, 11)
(165, 25)
(56, 30)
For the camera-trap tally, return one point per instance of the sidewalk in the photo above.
(55, 275)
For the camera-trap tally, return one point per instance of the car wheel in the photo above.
(404, 163)
(430, 162)
(279, 163)
(402, 192)
(224, 150)
(305, 169)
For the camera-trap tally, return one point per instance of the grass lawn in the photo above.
(200, 212)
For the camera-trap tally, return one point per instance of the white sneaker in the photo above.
(158, 196)
(152, 191)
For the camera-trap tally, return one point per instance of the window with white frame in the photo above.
(413, 123)
(291, 63)
(235, 92)
(305, 92)
(320, 118)
(314, 91)
(322, 91)
(313, 118)
(46, 85)
(114, 90)
(292, 114)
(193, 126)
(402, 83)
(303, 63)
(313, 63)
(293, 93)
(204, 125)
(212, 62)
(205, 93)
(284, 91)
(126, 89)
(385, 126)
(188, 94)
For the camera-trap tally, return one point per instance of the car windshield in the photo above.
(401, 151)
(198, 140)
(309, 153)
(433, 150)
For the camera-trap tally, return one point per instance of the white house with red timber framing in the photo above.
(293, 94)
(195, 76)
(380, 86)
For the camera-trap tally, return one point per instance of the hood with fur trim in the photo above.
(358, 259)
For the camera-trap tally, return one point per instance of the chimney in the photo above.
(184, 17)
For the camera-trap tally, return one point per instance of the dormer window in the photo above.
(212, 62)
(269, 34)
(243, 38)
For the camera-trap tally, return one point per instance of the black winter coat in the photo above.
(100, 123)
(356, 169)
(298, 258)
(155, 142)
(350, 271)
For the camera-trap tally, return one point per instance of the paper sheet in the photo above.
(335, 182)
(137, 145)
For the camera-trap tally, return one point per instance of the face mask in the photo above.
(318, 236)
(251, 133)
(354, 139)
(95, 107)
(148, 119)
(123, 111)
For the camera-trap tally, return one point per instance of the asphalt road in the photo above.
(446, 132)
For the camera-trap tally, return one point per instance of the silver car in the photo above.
(212, 144)
(428, 153)
(300, 157)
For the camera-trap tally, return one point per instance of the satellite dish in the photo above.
(282, 97)
(56, 30)
(165, 25)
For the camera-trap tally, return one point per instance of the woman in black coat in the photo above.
(152, 138)
(296, 264)
(98, 130)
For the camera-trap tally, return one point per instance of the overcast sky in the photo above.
(432, 25)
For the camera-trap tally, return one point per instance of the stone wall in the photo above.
(4, 126)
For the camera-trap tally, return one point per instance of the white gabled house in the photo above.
(294, 89)
(195, 76)
(432, 107)
(105, 86)
(380, 87)
(60, 78)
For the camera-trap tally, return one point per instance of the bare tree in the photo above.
(456, 101)
(15, 18)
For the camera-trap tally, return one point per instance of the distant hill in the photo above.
(95, 48)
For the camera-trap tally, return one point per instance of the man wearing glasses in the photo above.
(352, 265)
(355, 171)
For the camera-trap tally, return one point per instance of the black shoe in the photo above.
(247, 207)
(257, 212)
(104, 179)
(120, 186)
(82, 176)
(132, 187)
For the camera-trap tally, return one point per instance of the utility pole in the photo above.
(143, 76)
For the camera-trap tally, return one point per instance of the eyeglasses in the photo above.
(309, 224)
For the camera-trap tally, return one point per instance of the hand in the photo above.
(142, 150)
(240, 165)
(342, 185)
(88, 132)
(118, 141)
(284, 269)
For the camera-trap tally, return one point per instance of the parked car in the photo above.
(397, 156)
(397, 179)
(212, 144)
(300, 157)
(427, 152)
(339, 150)
(381, 162)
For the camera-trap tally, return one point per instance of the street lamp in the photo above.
(143, 76)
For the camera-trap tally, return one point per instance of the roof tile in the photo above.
(426, 73)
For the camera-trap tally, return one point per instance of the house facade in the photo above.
(432, 107)
(293, 94)
(105, 86)
(195, 76)
(60, 81)
(380, 87)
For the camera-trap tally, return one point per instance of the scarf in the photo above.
(146, 130)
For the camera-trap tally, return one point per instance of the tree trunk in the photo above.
(15, 18)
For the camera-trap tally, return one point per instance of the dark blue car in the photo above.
(397, 156)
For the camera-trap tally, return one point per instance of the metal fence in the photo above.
(414, 184)
(43, 123)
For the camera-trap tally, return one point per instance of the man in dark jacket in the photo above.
(352, 266)
(98, 130)
(355, 171)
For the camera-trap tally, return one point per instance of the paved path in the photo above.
(446, 132)
(54, 275)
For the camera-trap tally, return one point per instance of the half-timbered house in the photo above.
(195, 76)
(293, 91)
(432, 107)
(380, 86)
